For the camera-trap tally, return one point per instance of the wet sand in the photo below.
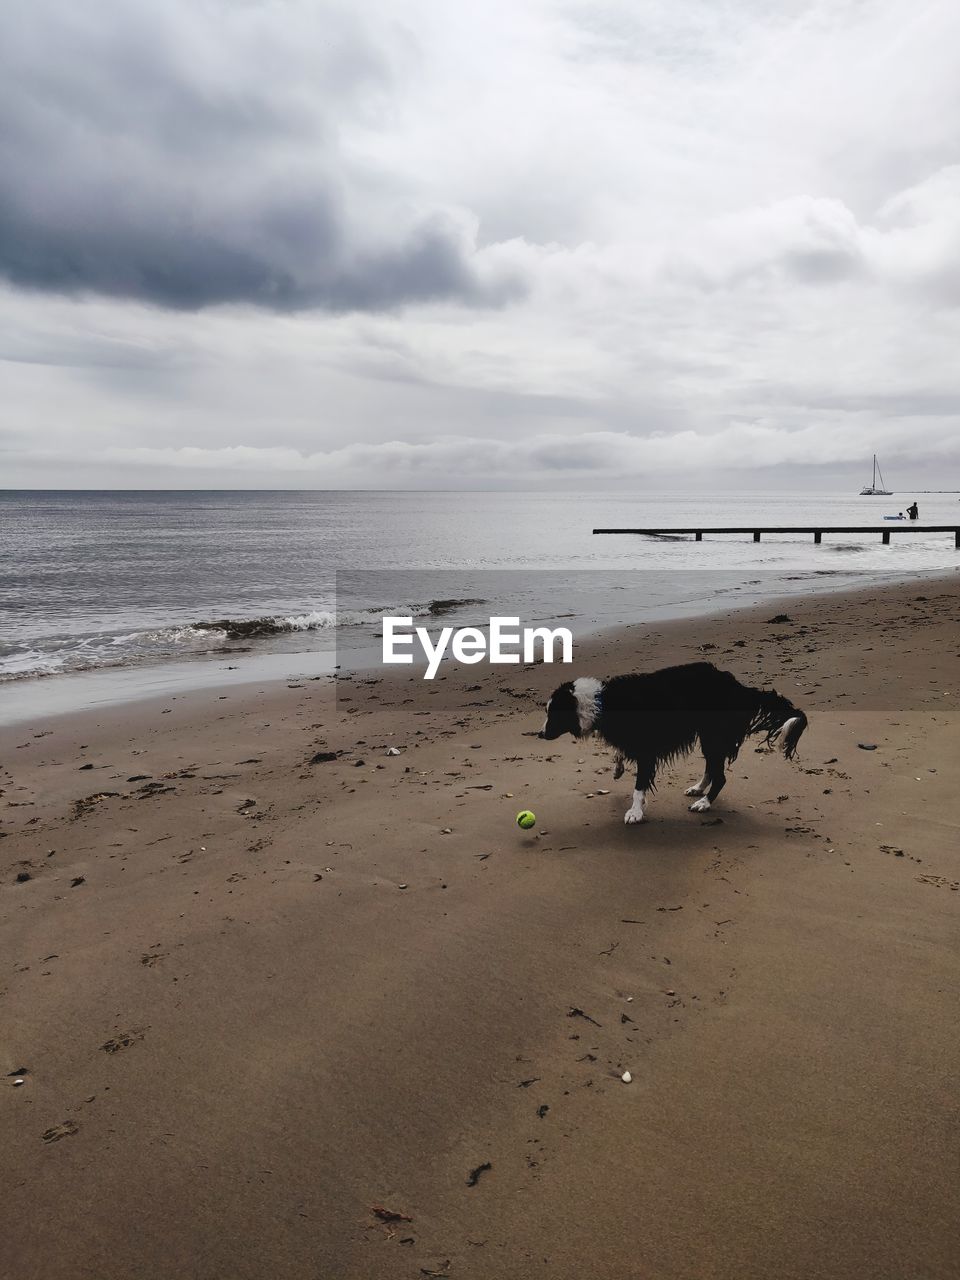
(343, 1020)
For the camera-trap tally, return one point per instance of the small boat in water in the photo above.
(871, 490)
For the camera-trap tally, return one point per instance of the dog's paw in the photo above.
(633, 816)
(700, 806)
(693, 791)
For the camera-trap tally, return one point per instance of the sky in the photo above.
(539, 244)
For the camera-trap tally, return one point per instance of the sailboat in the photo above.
(871, 490)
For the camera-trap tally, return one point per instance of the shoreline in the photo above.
(92, 690)
(211, 1040)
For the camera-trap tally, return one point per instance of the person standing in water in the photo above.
(913, 511)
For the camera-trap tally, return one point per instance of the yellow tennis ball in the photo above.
(526, 819)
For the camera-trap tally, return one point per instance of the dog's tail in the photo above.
(789, 734)
(782, 721)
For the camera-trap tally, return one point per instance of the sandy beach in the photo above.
(280, 1015)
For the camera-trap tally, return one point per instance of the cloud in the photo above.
(811, 240)
(912, 241)
(317, 242)
(588, 456)
(147, 152)
(917, 239)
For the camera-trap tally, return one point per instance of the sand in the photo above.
(256, 999)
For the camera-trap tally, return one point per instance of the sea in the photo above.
(107, 596)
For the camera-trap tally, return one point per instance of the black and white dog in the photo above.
(652, 719)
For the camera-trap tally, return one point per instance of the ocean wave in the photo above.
(62, 654)
(258, 628)
(213, 637)
(30, 662)
(436, 608)
(322, 619)
(316, 620)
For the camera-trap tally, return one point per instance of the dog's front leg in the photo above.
(617, 767)
(635, 812)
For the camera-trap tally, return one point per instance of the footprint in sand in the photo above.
(939, 882)
(65, 1130)
(124, 1040)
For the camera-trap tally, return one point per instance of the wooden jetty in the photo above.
(894, 526)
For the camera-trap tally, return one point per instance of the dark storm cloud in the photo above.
(174, 158)
(173, 263)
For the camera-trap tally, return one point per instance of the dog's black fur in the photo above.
(652, 719)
